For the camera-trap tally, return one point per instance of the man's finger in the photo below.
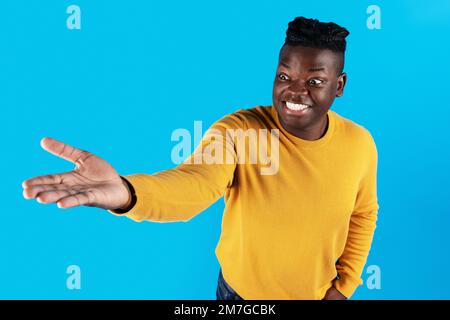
(33, 191)
(47, 179)
(53, 195)
(75, 200)
(63, 150)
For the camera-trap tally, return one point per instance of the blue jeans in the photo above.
(224, 291)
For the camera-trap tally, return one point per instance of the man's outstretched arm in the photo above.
(176, 194)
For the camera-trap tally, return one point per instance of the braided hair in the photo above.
(313, 33)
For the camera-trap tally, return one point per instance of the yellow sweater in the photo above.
(289, 234)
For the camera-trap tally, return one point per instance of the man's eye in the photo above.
(283, 77)
(315, 82)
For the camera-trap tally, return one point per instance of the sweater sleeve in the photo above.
(361, 228)
(180, 193)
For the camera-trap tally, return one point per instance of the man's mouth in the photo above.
(296, 106)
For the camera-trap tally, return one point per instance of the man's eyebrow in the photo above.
(316, 69)
(312, 69)
(284, 64)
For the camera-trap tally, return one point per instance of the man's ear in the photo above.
(341, 84)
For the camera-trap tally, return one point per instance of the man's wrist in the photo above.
(131, 200)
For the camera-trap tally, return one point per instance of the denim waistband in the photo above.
(226, 291)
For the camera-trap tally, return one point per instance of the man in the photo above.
(302, 232)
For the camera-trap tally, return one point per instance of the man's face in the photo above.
(306, 82)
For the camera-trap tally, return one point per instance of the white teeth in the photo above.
(295, 106)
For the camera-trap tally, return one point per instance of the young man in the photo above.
(300, 231)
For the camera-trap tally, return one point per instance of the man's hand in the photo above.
(334, 294)
(93, 182)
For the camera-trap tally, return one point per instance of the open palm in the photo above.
(93, 181)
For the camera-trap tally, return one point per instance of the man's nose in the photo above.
(298, 88)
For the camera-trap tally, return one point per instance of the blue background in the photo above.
(138, 70)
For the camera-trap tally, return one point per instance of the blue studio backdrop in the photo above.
(121, 76)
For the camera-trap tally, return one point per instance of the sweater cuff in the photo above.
(134, 201)
(346, 285)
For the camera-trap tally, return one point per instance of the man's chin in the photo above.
(293, 122)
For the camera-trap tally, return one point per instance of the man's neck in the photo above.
(313, 133)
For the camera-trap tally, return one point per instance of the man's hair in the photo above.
(313, 33)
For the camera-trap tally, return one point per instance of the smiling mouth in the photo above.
(296, 106)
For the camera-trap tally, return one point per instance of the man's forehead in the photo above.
(312, 58)
(310, 67)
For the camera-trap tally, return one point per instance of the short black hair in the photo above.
(313, 33)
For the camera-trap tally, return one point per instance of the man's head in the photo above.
(309, 75)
